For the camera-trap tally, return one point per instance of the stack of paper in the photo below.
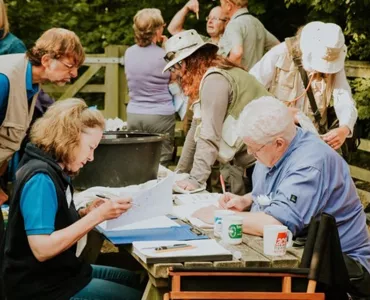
(178, 251)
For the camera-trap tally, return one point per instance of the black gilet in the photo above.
(24, 276)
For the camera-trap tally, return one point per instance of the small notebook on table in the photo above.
(180, 251)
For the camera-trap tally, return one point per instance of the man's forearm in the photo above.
(236, 54)
(253, 222)
(177, 23)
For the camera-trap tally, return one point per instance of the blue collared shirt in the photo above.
(32, 89)
(311, 178)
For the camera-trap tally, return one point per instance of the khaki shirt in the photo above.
(248, 31)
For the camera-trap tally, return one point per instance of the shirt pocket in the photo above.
(285, 81)
(11, 135)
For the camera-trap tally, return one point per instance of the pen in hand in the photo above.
(222, 184)
(108, 198)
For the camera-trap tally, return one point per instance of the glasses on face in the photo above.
(176, 66)
(254, 153)
(69, 66)
(215, 19)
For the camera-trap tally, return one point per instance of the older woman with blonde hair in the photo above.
(150, 108)
(45, 233)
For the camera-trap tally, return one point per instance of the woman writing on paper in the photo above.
(45, 233)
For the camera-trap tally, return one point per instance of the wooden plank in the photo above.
(89, 88)
(73, 89)
(286, 261)
(357, 69)
(246, 295)
(359, 173)
(111, 100)
(364, 145)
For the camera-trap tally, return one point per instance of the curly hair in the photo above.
(58, 131)
(146, 22)
(197, 65)
(57, 43)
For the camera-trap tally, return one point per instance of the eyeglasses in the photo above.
(176, 66)
(254, 153)
(216, 19)
(69, 66)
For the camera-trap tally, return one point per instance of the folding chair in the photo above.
(322, 262)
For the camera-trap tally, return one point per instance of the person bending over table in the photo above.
(298, 176)
(45, 233)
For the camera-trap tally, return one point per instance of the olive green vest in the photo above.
(245, 88)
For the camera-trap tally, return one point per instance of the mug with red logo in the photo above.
(276, 238)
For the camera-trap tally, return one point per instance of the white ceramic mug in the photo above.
(232, 230)
(276, 238)
(218, 216)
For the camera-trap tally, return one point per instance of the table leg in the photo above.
(153, 293)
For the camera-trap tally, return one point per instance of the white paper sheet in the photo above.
(151, 201)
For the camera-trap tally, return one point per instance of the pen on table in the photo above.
(168, 247)
(108, 198)
(222, 183)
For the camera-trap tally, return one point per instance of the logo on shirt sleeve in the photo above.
(293, 198)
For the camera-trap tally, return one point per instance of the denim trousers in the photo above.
(110, 283)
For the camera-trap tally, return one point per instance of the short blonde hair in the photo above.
(241, 3)
(58, 131)
(146, 22)
(57, 42)
(4, 23)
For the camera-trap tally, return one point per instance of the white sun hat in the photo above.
(323, 47)
(182, 45)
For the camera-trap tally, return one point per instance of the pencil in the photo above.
(222, 184)
(197, 14)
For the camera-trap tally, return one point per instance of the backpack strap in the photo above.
(296, 54)
(243, 14)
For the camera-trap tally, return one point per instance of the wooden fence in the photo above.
(116, 93)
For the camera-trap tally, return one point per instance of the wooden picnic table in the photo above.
(251, 251)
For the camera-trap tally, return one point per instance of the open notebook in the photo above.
(180, 251)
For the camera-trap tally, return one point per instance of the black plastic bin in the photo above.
(121, 159)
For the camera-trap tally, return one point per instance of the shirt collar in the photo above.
(239, 12)
(31, 88)
(292, 146)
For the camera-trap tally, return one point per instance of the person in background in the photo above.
(322, 50)
(218, 90)
(151, 107)
(289, 190)
(45, 233)
(216, 21)
(55, 57)
(245, 40)
(10, 44)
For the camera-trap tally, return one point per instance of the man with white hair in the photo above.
(216, 21)
(297, 176)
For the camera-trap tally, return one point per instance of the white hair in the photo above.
(264, 119)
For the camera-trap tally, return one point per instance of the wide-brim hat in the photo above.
(323, 47)
(182, 45)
